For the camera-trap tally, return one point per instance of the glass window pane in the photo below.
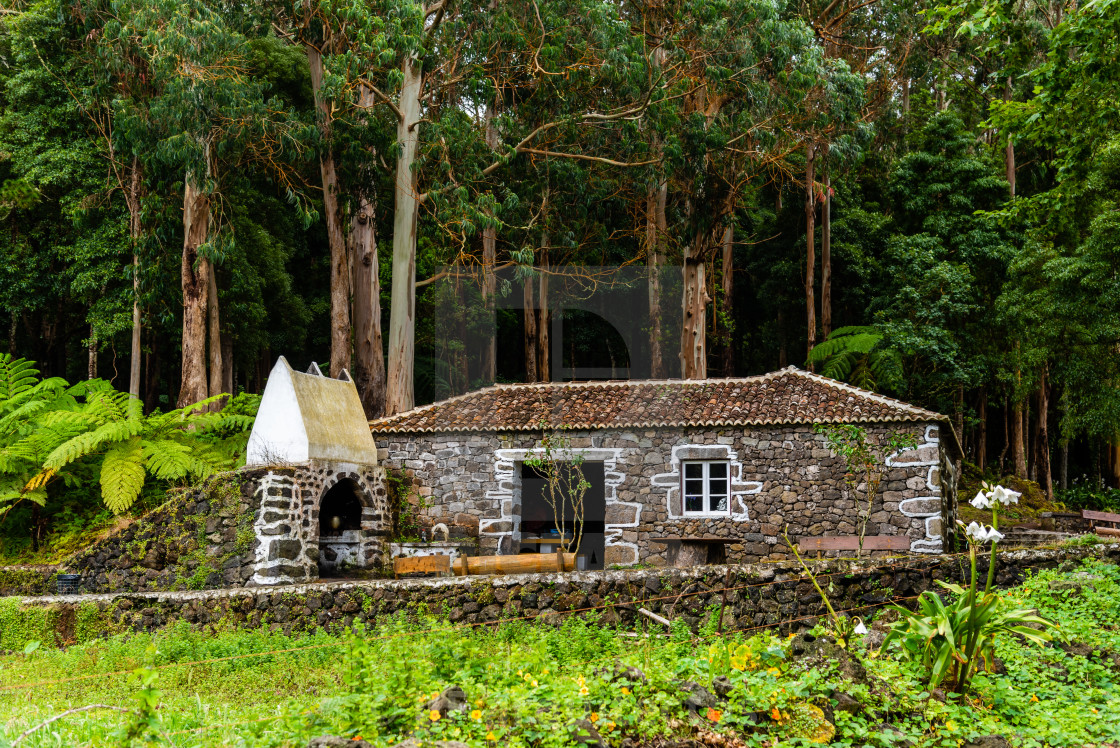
(718, 469)
(694, 503)
(694, 487)
(719, 503)
(717, 487)
(693, 470)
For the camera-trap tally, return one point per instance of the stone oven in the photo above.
(323, 509)
(729, 459)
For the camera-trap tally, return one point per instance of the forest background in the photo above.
(920, 199)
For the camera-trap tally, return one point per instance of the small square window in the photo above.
(706, 488)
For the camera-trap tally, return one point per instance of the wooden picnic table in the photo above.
(1094, 517)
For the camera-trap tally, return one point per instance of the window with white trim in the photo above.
(706, 487)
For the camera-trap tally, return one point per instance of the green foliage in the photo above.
(856, 355)
(55, 434)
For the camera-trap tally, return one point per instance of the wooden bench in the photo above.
(688, 551)
(819, 543)
(440, 564)
(1107, 517)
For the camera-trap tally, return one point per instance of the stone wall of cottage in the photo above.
(251, 527)
(781, 476)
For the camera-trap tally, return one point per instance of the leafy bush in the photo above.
(1085, 497)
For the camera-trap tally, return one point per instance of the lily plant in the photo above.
(951, 639)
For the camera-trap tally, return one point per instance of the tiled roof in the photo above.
(789, 396)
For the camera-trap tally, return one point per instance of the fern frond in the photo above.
(90, 442)
(166, 459)
(17, 375)
(122, 474)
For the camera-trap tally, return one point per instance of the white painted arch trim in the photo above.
(739, 488)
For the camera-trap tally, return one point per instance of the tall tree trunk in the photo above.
(1006, 438)
(694, 354)
(1044, 477)
(91, 369)
(402, 310)
(1009, 150)
(340, 281)
(982, 436)
(826, 259)
(656, 229)
(529, 307)
(227, 363)
(810, 249)
(489, 261)
(727, 268)
(783, 356)
(369, 352)
(215, 337)
(195, 281)
(369, 355)
(544, 317)
(134, 228)
(1018, 449)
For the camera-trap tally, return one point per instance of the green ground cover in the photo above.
(527, 684)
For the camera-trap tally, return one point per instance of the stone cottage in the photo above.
(734, 461)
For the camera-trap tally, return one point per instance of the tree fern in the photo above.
(857, 355)
(53, 433)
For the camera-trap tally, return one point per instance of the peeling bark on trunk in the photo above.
(694, 306)
(195, 281)
(727, 269)
(810, 250)
(402, 312)
(134, 228)
(369, 356)
(214, 337)
(826, 260)
(529, 307)
(340, 281)
(656, 228)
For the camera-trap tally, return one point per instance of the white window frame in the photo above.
(706, 499)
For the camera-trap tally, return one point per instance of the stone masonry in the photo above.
(781, 476)
(255, 526)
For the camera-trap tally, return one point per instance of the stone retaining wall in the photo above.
(28, 580)
(246, 528)
(781, 476)
(764, 594)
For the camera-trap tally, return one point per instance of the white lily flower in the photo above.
(981, 501)
(860, 628)
(994, 535)
(975, 533)
(1005, 496)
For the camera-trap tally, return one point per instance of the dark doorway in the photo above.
(340, 526)
(538, 522)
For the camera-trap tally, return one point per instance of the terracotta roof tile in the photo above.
(789, 396)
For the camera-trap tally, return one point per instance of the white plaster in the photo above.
(931, 543)
(738, 487)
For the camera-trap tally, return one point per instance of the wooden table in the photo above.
(687, 551)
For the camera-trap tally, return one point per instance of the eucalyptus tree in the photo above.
(209, 119)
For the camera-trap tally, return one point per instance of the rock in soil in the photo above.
(583, 732)
(453, 699)
(698, 697)
(332, 741)
(988, 741)
(822, 652)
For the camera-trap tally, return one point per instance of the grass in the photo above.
(528, 683)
